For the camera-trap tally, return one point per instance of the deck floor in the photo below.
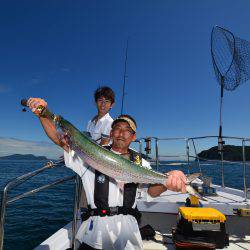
(225, 201)
(163, 243)
(161, 214)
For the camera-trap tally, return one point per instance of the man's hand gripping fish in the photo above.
(105, 161)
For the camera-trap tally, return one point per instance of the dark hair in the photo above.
(106, 92)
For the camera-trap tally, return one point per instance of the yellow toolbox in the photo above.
(200, 227)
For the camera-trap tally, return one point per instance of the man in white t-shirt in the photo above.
(100, 125)
(112, 220)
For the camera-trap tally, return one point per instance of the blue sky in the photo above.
(63, 50)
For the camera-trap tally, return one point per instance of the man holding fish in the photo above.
(112, 221)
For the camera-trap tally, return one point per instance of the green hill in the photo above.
(23, 157)
(231, 153)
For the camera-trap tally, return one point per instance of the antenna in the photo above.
(124, 76)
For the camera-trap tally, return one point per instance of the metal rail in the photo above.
(21, 179)
(76, 207)
(156, 158)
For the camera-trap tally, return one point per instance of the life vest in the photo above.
(101, 190)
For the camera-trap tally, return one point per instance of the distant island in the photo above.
(230, 153)
(24, 157)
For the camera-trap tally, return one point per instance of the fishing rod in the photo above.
(125, 76)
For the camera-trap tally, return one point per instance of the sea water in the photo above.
(33, 219)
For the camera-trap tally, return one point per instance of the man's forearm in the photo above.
(35, 105)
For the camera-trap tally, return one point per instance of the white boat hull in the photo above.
(161, 214)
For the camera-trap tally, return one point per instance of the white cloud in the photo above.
(10, 146)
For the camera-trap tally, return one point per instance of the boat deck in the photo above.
(165, 242)
(61, 241)
(226, 200)
(161, 213)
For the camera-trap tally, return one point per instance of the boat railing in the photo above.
(190, 154)
(153, 154)
(21, 179)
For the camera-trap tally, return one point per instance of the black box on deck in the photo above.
(200, 227)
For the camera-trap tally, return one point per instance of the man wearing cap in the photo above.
(112, 215)
(112, 222)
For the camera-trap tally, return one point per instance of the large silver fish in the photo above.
(105, 161)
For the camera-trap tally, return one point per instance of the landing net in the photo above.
(231, 58)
